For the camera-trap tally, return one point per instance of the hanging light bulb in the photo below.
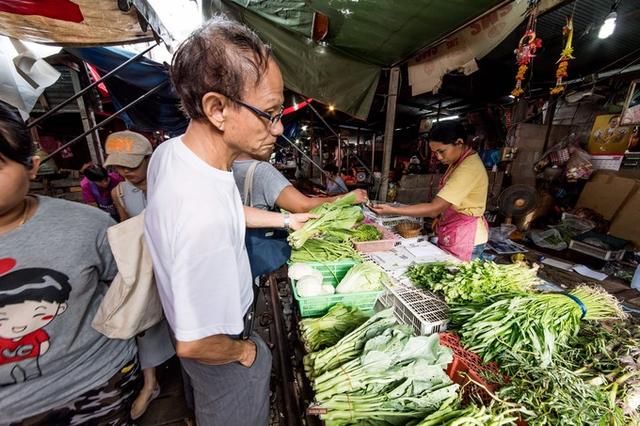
(609, 26)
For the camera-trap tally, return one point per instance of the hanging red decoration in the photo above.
(566, 56)
(526, 51)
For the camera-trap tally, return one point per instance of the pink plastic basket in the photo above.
(388, 241)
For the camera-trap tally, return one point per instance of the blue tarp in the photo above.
(158, 112)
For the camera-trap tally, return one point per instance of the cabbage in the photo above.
(299, 270)
(310, 286)
(328, 289)
(363, 277)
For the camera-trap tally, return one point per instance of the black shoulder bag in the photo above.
(267, 247)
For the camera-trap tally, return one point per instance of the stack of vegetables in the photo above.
(380, 374)
(565, 366)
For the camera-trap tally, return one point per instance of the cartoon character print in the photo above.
(30, 299)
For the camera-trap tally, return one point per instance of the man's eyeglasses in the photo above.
(272, 119)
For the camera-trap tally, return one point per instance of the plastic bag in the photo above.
(551, 239)
(502, 233)
(572, 225)
(579, 165)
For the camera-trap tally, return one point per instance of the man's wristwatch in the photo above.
(287, 220)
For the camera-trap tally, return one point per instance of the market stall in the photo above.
(397, 331)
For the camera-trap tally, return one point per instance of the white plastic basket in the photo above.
(422, 310)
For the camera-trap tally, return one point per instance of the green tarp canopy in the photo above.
(364, 37)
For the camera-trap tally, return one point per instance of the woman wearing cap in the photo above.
(461, 201)
(128, 153)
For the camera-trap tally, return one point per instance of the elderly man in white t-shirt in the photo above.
(232, 90)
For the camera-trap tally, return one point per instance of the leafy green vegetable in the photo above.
(557, 396)
(398, 377)
(349, 347)
(319, 333)
(335, 222)
(535, 326)
(324, 251)
(386, 358)
(366, 232)
(451, 414)
(472, 281)
(363, 277)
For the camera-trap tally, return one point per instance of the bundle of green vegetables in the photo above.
(404, 400)
(324, 251)
(451, 414)
(472, 281)
(555, 395)
(397, 377)
(349, 347)
(608, 356)
(399, 403)
(595, 380)
(320, 333)
(334, 223)
(366, 232)
(393, 355)
(535, 326)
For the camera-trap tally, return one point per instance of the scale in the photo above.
(601, 246)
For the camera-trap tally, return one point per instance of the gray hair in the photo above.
(221, 56)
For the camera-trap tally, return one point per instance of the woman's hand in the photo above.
(297, 220)
(383, 209)
(361, 196)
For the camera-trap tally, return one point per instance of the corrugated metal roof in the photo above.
(60, 91)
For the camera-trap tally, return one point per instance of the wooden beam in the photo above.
(392, 98)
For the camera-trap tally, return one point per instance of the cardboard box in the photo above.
(606, 193)
(626, 223)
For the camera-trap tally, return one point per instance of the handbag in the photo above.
(132, 303)
(268, 248)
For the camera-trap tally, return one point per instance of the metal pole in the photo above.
(334, 133)
(324, 121)
(107, 120)
(323, 173)
(89, 87)
(394, 79)
(92, 138)
(373, 154)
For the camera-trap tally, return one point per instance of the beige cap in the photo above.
(126, 149)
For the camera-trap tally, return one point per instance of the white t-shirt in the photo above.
(195, 228)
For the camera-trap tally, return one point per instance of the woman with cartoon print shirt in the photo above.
(55, 264)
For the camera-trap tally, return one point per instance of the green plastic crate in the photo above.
(319, 305)
(333, 272)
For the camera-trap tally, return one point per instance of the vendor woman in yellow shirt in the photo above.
(462, 198)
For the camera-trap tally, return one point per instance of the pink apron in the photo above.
(456, 231)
